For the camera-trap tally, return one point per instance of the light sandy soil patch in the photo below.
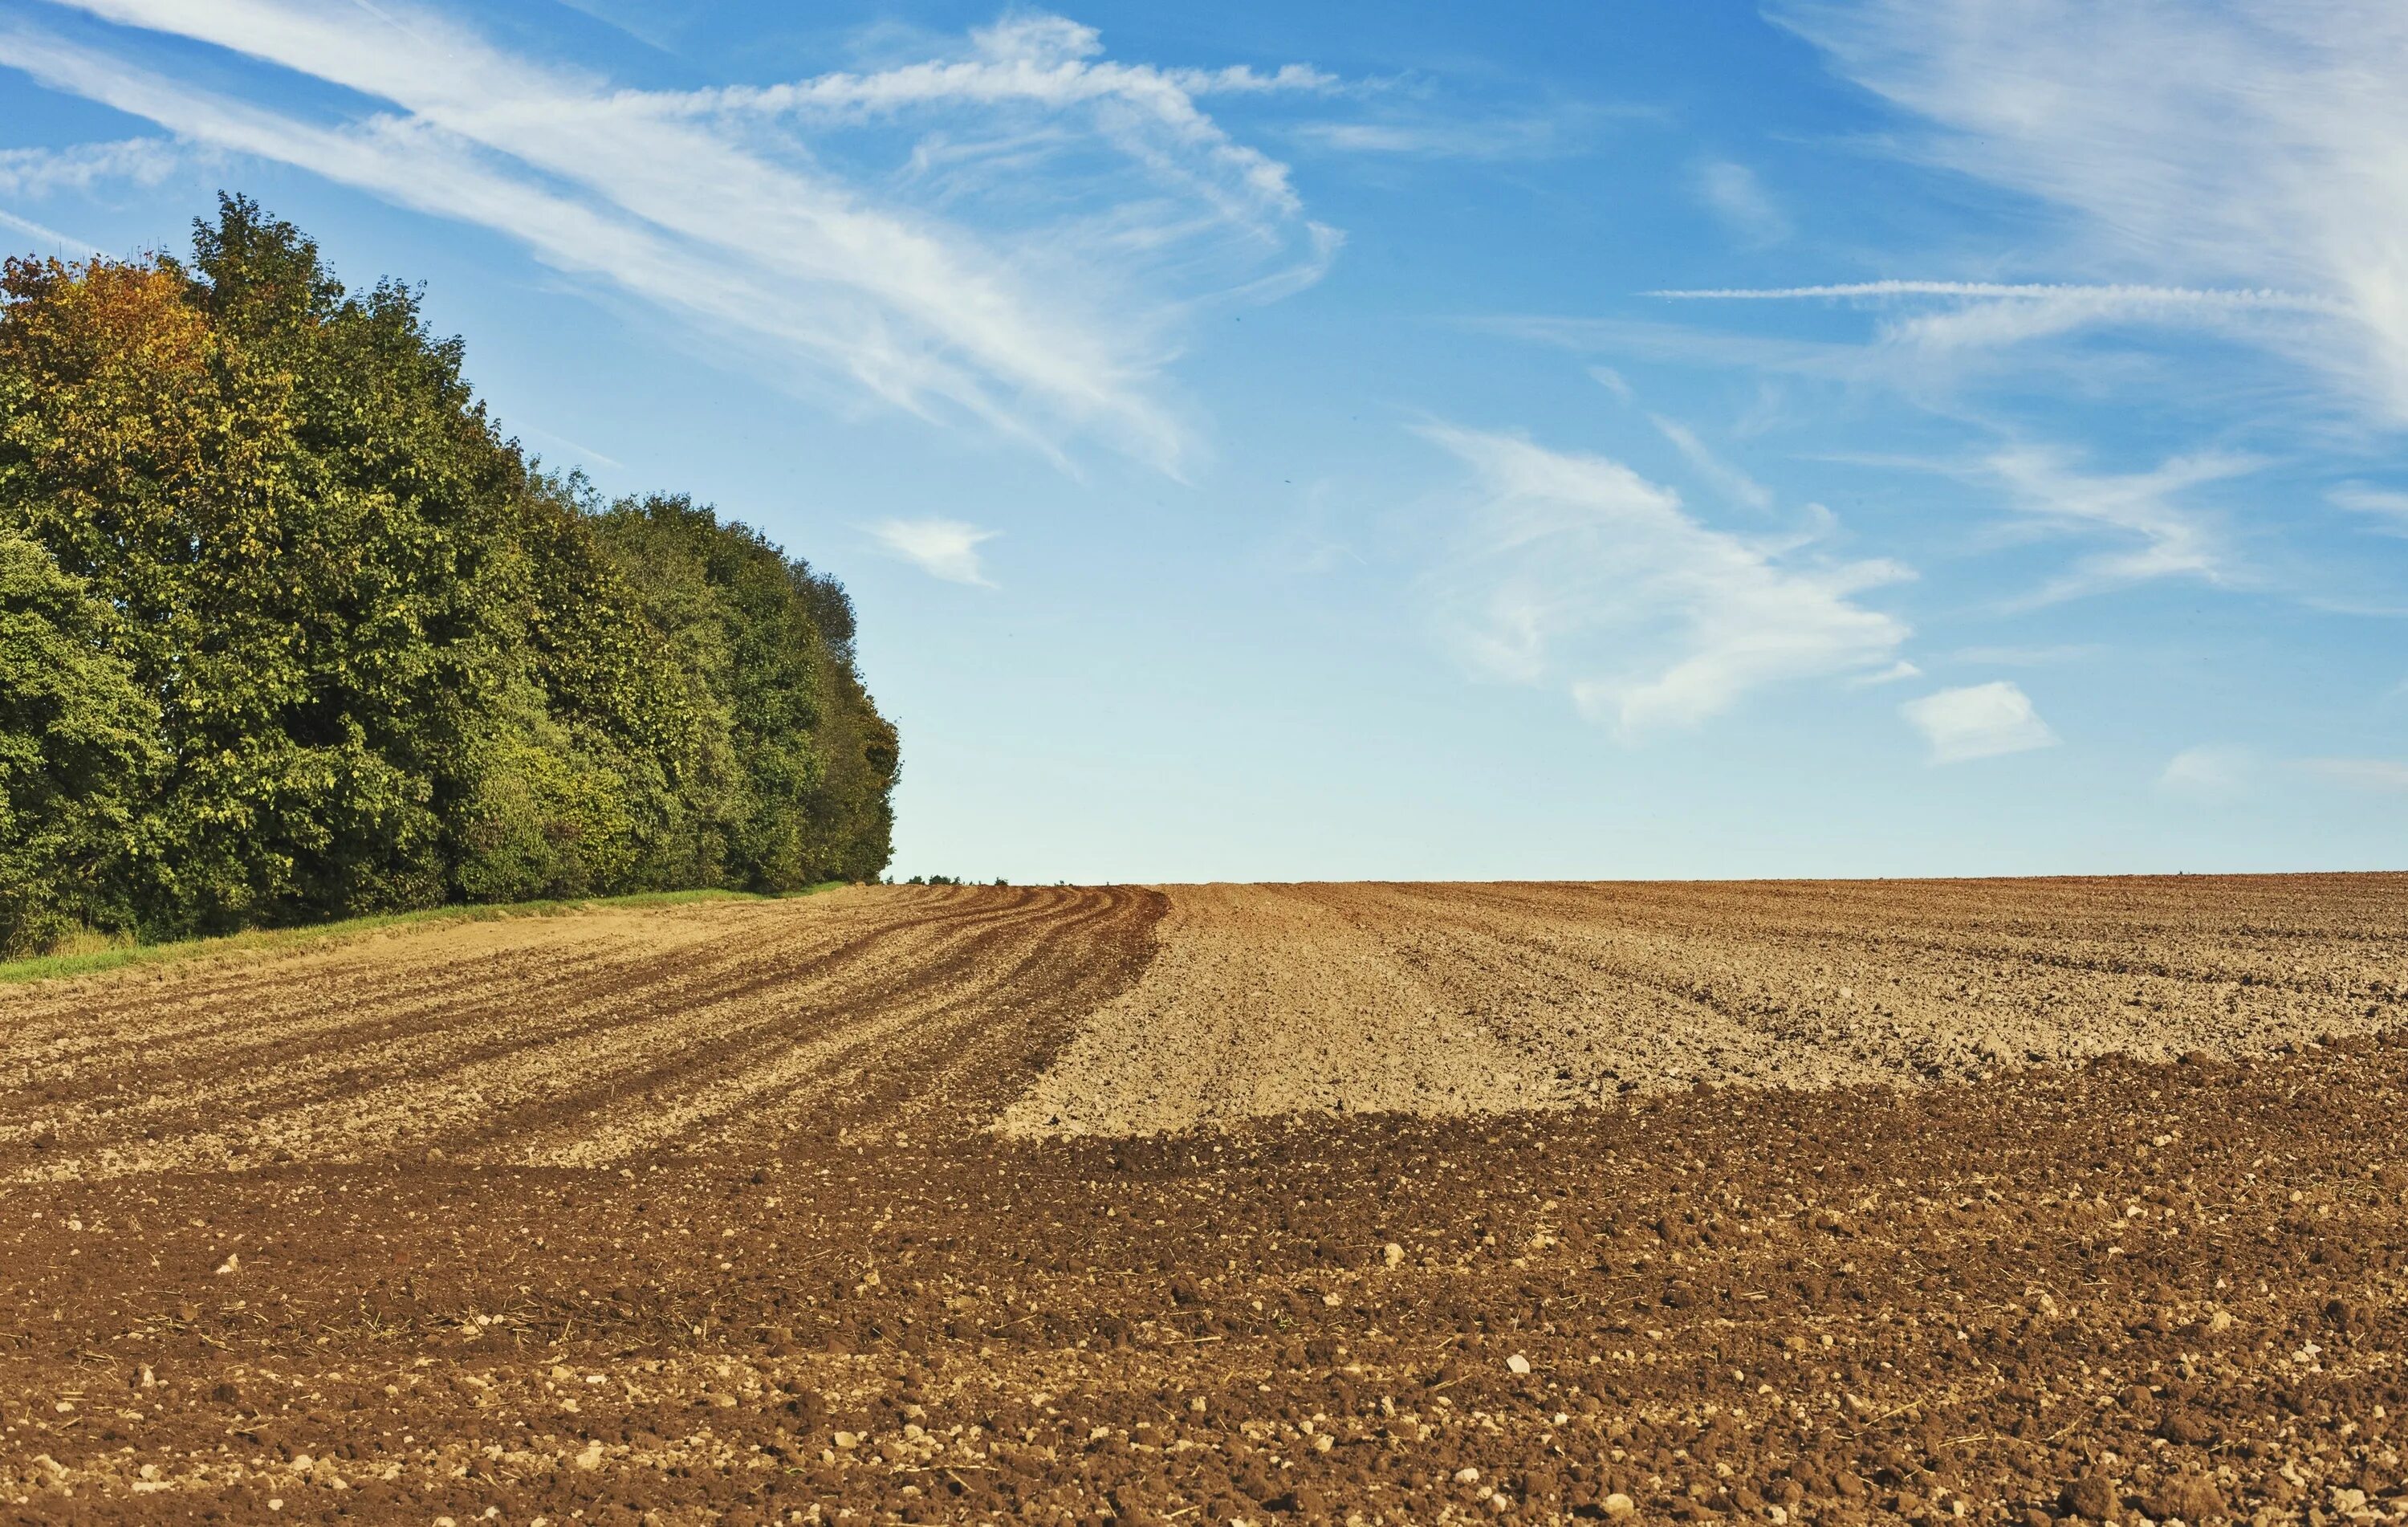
(1437, 999)
(1267, 1000)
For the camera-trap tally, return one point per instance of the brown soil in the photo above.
(700, 1214)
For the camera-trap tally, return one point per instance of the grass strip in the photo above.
(277, 940)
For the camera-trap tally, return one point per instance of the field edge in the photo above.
(271, 941)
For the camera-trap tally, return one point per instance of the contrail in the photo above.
(2280, 301)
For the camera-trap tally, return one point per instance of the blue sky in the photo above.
(1426, 440)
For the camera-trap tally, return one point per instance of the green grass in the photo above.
(271, 940)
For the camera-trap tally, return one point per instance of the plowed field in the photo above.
(1774, 1202)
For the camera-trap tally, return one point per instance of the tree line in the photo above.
(289, 631)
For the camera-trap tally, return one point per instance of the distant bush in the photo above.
(289, 631)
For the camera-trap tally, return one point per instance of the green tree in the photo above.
(794, 765)
(388, 663)
(78, 749)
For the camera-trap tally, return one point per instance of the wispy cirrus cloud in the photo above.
(1733, 194)
(1897, 672)
(1052, 317)
(1825, 361)
(2040, 657)
(1727, 480)
(1574, 569)
(942, 548)
(55, 241)
(1536, 135)
(2382, 776)
(1979, 721)
(2386, 509)
(34, 174)
(2260, 144)
(1053, 66)
(2132, 297)
(1026, 56)
(2147, 520)
(1401, 118)
(2213, 773)
(2160, 535)
(1937, 318)
(2224, 773)
(82, 166)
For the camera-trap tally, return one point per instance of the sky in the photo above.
(1422, 441)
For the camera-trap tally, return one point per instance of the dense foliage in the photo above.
(289, 631)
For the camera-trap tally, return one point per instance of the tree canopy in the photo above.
(290, 632)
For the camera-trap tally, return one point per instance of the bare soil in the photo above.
(1921, 1202)
(1442, 1000)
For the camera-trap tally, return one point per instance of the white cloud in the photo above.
(946, 549)
(2154, 530)
(636, 18)
(1727, 480)
(2382, 776)
(41, 172)
(2209, 143)
(61, 243)
(1575, 563)
(1613, 381)
(2172, 541)
(2133, 297)
(1025, 56)
(1980, 721)
(1897, 672)
(1733, 194)
(1933, 321)
(2386, 507)
(1043, 312)
(2215, 773)
(2070, 652)
(1681, 344)
(1529, 136)
(37, 173)
(2220, 775)
(1049, 62)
